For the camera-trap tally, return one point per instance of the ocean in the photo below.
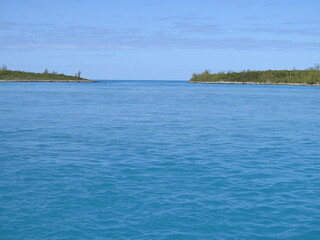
(160, 160)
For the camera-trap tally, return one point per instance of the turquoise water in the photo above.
(159, 160)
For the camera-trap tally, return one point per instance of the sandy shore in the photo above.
(257, 83)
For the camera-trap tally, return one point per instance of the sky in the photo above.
(158, 39)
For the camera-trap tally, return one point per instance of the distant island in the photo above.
(310, 76)
(21, 76)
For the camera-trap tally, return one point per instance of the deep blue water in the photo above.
(159, 160)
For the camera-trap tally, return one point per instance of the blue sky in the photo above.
(158, 39)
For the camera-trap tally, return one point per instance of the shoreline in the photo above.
(48, 80)
(258, 83)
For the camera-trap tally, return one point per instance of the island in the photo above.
(21, 76)
(310, 76)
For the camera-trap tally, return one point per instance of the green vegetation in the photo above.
(310, 76)
(46, 76)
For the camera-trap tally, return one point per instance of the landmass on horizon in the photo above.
(310, 76)
(21, 76)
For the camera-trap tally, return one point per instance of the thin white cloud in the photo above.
(179, 35)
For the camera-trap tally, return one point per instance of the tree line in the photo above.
(46, 75)
(309, 76)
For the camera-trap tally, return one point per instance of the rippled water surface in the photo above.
(159, 160)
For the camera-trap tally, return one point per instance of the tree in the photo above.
(4, 68)
(316, 67)
(78, 74)
(46, 71)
